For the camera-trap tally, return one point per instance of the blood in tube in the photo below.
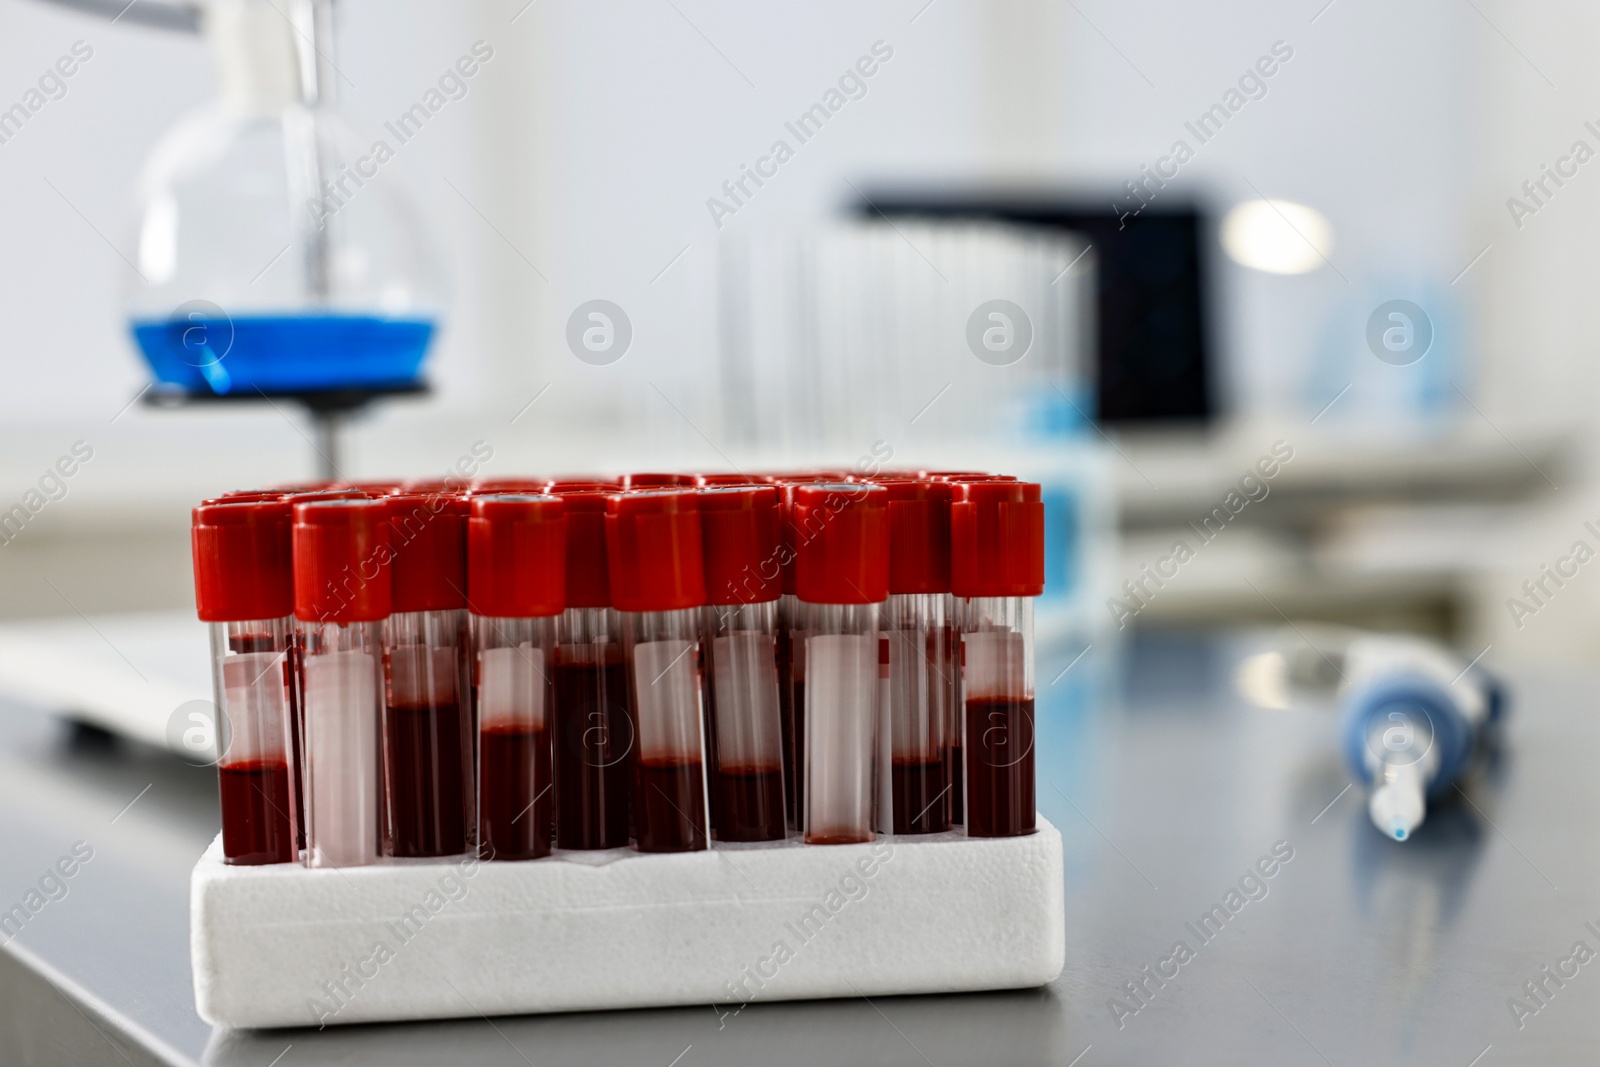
(593, 741)
(956, 773)
(669, 805)
(748, 802)
(427, 784)
(919, 795)
(516, 551)
(255, 806)
(1000, 787)
(657, 579)
(242, 644)
(514, 760)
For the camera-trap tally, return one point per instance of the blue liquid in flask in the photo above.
(283, 353)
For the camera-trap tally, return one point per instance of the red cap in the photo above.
(303, 487)
(588, 569)
(450, 483)
(341, 560)
(787, 484)
(520, 486)
(739, 529)
(516, 555)
(325, 494)
(704, 480)
(653, 544)
(242, 568)
(996, 539)
(427, 532)
(245, 496)
(652, 481)
(380, 488)
(966, 476)
(610, 485)
(841, 532)
(919, 535)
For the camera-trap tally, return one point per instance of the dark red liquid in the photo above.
(958, 776)
(921, 796)
(1000, 787)
(516, 808)
(593, 754)
(747, 804)
(670, 806)
(255, 812)
(426, 770)
(786, 719)
(243, 643)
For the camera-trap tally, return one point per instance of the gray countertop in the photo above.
(1168, 789)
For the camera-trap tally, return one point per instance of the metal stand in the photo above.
(331, 413)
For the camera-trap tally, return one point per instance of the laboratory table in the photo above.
(1172, 791)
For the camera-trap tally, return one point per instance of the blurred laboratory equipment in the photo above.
(1412, 714)
(919, 340)
(840, 335)
(274, 258)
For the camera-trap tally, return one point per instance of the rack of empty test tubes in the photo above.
(517, 668)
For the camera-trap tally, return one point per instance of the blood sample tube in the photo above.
(427, 715)
(791, 645)
(739, 530)
(920, 636)
(516, 581)
(244, 587)
(341, 598)
(996, 569)
(594, 734)
(841, 533)
(658, 583)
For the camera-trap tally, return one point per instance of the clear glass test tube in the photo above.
(997, 680)
(251, 672)
(657, 575)
(838, 682)
(516, 804)
(244, 588)
(594, 735)
(427, 731)
(747, 787)
(429, 791)
(840, 534)
(996, 570)
(342, 597)
(516, 588)
(921, 682)
(342, 701)
(664, 663)
(740, 534)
